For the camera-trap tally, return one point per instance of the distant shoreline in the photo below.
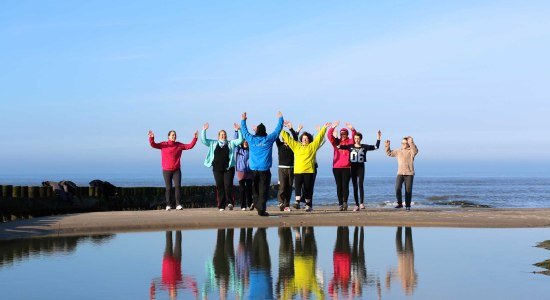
(207, 218)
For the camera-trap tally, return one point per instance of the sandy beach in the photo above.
(158, 220)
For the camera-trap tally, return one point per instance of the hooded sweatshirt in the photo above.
(341, 156)
(212, 144)
(171, 152)
(261, 145)
(304, 155)
(405, 159)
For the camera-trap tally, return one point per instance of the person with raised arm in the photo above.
(304, 162)
(341, 164)
(405, 169)
(286, 169)
(220, 158)
(171, 170)
(358, 158)
(260, 160)
(244, 175)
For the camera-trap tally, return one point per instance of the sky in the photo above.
(83, 81)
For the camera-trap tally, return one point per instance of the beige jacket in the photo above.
(405, 159)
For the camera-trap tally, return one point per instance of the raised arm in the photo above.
(204, 140)
(289, 140)
(238, 136)
(152, 141)
(389, 152)
(412, 145)
(320, 136)
(192, 143)
(376, 146)
(244, 129)
(275, 134)
(334, 141)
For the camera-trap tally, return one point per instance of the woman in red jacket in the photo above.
(341, 164)
(171, 155)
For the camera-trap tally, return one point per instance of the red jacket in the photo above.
(341, 156)
(171, 152)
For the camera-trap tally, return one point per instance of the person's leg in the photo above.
(228, 176)
(346, 176)
(263, 191)
(281, 194)
(177, 186)
(242, 193)
(408, 190)
(299, 184)
(256, 187)
(167, 175)
(168, 249)
(354, 170)
(248, 189)
(220, 189)
(361, 179)
(308, 187)
(290, 182)
(177, 247)
(398, 184)
(338, 179)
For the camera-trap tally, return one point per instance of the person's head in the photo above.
(357, 138)
(306, 138)
(245, 144)
(404, 143)
(222, 135)
(260, 130)
(344, 133)
(172, 135)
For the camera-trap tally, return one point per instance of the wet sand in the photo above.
(201, 218)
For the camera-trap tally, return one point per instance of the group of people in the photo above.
(249, 155)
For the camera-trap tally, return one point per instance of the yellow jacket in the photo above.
(304, 155)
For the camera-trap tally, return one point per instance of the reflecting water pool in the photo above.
(280, 263)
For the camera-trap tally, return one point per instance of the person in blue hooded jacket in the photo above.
(260, 160)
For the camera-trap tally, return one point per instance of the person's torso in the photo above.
(221, 158)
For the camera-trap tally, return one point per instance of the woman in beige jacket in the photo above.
(405, 169)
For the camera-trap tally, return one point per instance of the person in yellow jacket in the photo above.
(304, 162)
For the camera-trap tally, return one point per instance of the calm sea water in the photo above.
(283, 263)
(508, 192)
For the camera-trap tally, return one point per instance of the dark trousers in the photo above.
(286, 178)
(168, 177)
(342, 177)
(262, 179)
(245, 189)
(305, 181)
(224, 187)
(357, 179)
(408, 180)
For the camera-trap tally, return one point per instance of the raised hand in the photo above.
(410, 140)
(236, 126)
(318, 128)
(151, 134)
(288, 124)
(300, 127)
(348, 125)
(327, 125)
(279, 114)
(255, 128)
(244, 115)
(196, 135)
(205, 126)
(379, 134)
(335, 124)
(387, 143)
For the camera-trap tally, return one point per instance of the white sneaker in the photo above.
(356, 208)
(230, 206)
(362, 206)
(287, 208)
(179, 207)
(243, 209)
(168, 207)
(308, 208)
(221, 209)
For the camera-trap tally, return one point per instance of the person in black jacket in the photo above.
(286, 169)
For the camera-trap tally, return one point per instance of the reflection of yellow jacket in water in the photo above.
(304, 279)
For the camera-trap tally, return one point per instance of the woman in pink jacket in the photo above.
(341, 164)
(171, 155)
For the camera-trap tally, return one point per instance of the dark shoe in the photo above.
(252, 206)
(263, 213)
(345, 206)
(296, 205)
(281, 206)
(399, 206)
(408, 208)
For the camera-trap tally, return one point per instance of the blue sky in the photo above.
(82, 82)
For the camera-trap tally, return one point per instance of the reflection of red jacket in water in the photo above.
(342, 271)
(171, 271)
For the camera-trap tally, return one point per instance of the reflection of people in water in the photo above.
(342, 264)
(358, 265)
(286, 261)
(261, 283)
(243, 260)
(303, 279)
(405, 262)
(172, 278)
(222, 269)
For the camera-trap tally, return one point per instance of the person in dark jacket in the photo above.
(286, 169)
